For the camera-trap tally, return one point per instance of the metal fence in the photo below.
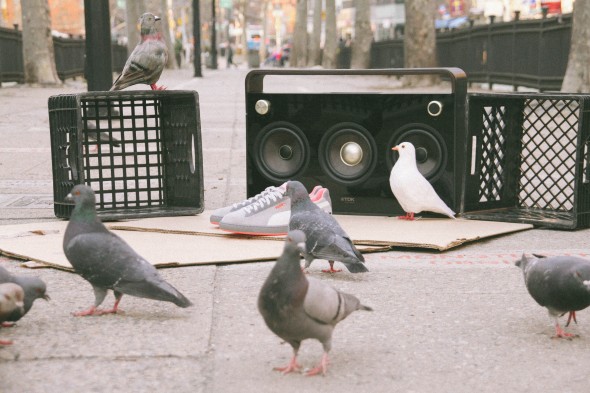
(531, 53)
(69, 56)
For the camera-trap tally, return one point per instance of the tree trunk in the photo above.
(331, 41)
(133, 10)
(299, 54)
(315, 54)
(38, 54)
(363, 36)
(165, 29)
(420, 41)
(577, 74)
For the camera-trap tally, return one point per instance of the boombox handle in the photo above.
(255, 78)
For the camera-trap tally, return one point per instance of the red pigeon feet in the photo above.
(7, 324)
(560, 333)
(156, 87)
(408, 216)
(320, 368)
(5, 342)
(292, 366)
(331, 269)
(572, 315)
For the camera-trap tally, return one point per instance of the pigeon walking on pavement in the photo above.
(325, 238)
(34, 288)
(296, 307)
(11, 301)
(560, 283)
(413, 192)
(147, 61)
(107, 262)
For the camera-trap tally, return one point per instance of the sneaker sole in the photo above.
(255, 231)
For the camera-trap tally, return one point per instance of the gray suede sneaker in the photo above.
(269, 215)
(218, 214)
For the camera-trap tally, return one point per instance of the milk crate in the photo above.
(140, 151)
(528, 159)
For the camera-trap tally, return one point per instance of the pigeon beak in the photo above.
(396, 148)
(46, 297)
(157, 18)
(69, 198)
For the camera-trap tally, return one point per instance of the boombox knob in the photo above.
(351, 153)
(262, 107)
(434, 108)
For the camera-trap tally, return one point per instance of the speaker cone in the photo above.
(347, 153)
(281, 151)
(431, 151)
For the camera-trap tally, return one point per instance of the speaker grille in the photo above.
(281, 151)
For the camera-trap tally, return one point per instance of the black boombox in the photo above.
(343, 141)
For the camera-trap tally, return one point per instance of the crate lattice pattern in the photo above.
(125, 167)
(548, 154)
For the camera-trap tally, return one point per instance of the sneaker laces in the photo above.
(265, 201)
(248, 201)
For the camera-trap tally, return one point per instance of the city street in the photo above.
(458, 321)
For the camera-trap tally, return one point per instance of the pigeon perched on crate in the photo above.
(413, 192)
(34, 288)
(325, 238)
(147, 61)
(296, 308)
(11, 302)
(561, 284)
(107, 262)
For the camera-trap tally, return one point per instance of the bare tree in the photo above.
(299, 55)
(315, 55)
(363, 36)
(577, 74)
(331, 41)
(420, 41)
(38, 53)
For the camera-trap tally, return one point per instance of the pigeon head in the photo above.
(406, 149)
(296, 191)
(34, 289)
(83, 197)
(525, 263)
(148, 23)
(296, 239)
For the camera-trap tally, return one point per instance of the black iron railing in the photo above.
(69, 56)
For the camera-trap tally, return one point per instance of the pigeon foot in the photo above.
(292, 366)
(572, 315)
(331, 269)
(560, 333)
(93, 311)
(408, 216)
(7, 324)
(5, 342)
(156, 87)
(320, 368)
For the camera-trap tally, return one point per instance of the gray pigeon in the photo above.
(411, 189)
(561, 284)
(296, 307)
(11, 302)
(325, 238)
(147, 61)
(34, 288)
(107, 262)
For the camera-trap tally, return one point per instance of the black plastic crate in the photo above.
(157, 167)
(529, 159)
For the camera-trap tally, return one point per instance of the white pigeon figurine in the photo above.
(413, 192)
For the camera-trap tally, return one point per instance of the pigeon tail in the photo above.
(357, 267)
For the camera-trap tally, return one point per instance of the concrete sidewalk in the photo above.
(461, 321)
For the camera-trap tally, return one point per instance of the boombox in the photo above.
(343, 140)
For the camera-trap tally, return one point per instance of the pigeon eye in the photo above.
(403, 146)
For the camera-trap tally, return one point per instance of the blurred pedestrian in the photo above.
(230, 56)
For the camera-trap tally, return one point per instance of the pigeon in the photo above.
(325, 238)
(107, 262)
(33, 287)
(101, 137)
(11, 302)
(147, 61)
(296, 307)
(413, 192)
(560, 283)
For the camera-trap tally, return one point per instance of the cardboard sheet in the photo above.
(431, 233)
(42, 243)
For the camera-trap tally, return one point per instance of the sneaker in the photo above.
(269, 216)
(218, 214)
